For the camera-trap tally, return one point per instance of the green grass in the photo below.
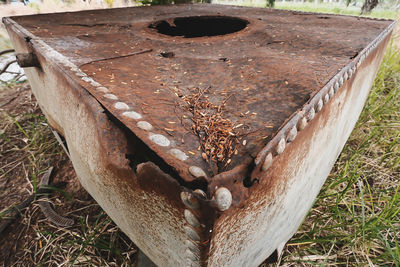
(379, 12)
(387, 12)
(356, 218)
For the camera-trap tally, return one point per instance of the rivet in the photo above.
(302, 123)
(326, 98)
(144, 125)
(178, 154)
(311, 114)
(132, 115)
(191, 219)
(121, 105)
(336, 86)
(80, 74)
(292, 134)
(331, 92)
(267, 162)
(345, 76)
(191, 255)
(223, 198)
(191, 233)
(189, 200)
(350, 72)
(87, 79)
(111, 96)
(102, 89)
(340, 81)
(160, 139)
(200, 193)
(320, 104)
(192, 246)
(359, 63)
(94, 83)
(197, 172)
(281, 146)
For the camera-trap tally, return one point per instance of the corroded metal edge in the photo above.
(286, 134)
(73, 71)
(299, 120)
(278, 202)
(196, 232)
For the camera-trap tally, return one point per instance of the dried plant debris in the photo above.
(217, 134)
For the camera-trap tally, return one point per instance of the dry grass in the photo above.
(28, 149)
(355, 220)
(217, 134)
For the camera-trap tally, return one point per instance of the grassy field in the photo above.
(355, 220)
(380, 11)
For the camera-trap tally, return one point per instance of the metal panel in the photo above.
(119, 91)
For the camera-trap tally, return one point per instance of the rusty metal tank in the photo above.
(204, 131)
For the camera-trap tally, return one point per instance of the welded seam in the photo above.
(193, 227)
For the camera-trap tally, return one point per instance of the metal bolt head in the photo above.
(326, 98)
(160, 139)
(267, 162)
(121, 105)
(200, 193)
(302, 123)
(292, 134)
(191, 233)
(341, 81)
(144, 125)
(311, 114)
(345, 76)
(319, 105)
(331, 92)
(189, 200)
(178, 154)
(336, 86)
(197, 172)
(223, 198)
(132, 115)
(191, 218)
(281, 146)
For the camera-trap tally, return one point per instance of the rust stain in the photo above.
(268, 66)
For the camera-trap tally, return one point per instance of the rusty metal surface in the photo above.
(152, 216)
(264, 72)
(279, 201)
(305, 75)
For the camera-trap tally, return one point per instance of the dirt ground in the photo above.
(31, 239)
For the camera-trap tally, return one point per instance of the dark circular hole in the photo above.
(192, 27)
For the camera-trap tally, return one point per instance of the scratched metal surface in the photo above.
(266, 71)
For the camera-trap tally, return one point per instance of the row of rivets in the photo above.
(190, 201)
(158, 139)
(302, 123)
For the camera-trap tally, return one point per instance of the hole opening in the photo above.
(199, 26)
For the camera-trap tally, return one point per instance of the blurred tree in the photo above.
(270, 3)
(368, 6)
